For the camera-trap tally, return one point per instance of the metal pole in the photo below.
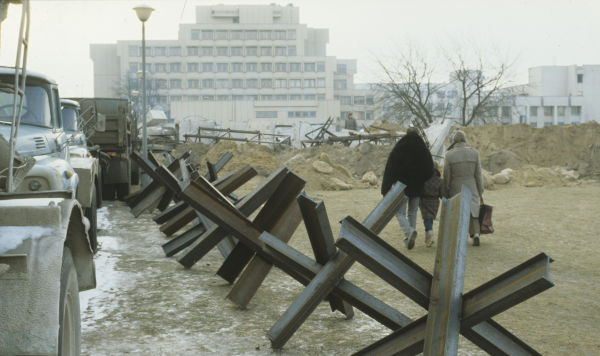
(144, 132)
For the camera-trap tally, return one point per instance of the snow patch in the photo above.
(13, 236)
(102, 221)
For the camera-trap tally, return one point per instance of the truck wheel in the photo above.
(91, 214)
(69, 334)
(108, 192)
(122, 190)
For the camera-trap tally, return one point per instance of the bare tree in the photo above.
(407, 91)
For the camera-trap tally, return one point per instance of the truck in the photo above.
(46, 257)
(85, 164)
(115, 134)
(163, 136)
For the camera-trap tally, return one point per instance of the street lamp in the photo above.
(143, 13)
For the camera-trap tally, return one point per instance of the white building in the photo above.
(242, 67)
(557, 95)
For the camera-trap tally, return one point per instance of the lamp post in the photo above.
(143, 13)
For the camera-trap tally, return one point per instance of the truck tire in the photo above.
(108, 192)
(91, 214)
(122, 190)
(69, 334)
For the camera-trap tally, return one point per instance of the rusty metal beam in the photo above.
(180, 242)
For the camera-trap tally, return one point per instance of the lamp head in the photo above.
(143, 12)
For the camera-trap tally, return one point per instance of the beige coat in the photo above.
(462, 166)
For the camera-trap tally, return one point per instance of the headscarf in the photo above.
(459, 136)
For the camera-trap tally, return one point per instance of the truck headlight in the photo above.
(68, 174)
(35, 185)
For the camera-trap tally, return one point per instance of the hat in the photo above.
(459, 136)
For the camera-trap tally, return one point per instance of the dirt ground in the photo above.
(146, 304)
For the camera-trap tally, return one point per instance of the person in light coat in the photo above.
(463, 167)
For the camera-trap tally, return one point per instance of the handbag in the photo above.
(485, 219)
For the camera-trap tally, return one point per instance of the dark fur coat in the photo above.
(409, 162)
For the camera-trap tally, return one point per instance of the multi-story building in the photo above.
(244, 67)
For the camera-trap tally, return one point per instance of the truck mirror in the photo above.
(100, 123)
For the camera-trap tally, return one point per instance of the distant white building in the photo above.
(243, 67)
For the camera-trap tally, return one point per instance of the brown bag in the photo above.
(485, 219)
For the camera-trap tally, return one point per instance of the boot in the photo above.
(476, 240)
(429, 238)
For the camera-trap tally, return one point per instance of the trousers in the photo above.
(408, 218)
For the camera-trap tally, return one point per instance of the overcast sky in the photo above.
(535, 32)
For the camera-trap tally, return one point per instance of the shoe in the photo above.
(410, 242)
(476, 240)
(429, 238)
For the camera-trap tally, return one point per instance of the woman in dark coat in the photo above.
(410, 162)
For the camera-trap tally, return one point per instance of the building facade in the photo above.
(243, 67)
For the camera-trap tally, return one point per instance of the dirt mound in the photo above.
(572, 146)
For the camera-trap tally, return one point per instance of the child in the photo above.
(430, 202)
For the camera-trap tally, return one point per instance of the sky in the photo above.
(526, 33)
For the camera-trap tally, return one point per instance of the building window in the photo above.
(280, 97)
(291, 34)
(222, 51)
(222, 67)
(160, 51)
(295, 83)
(265, 35)
(506, 110)
(279, 35)
(292, 51)
(133, 51)
(175, 67)
(175, 51)
(280, 83)
(193, 83)
(341, 69)
(321, 97)
(346, 100)
(193, 98)
(266, 114)
(207, 67)
(309, 83)
(192, 51)
(207, 51)
(161, 83)
(320, 82)
(222, 83)
(237, 83)
(148, 51)
(149, 67)
(175, 84)
(207, 35)
(252, 83)
(579, 78)
(320, 66)
(195, 34)
(221, 35)
(251, 67)
(339, 84)
(237, 97)
(280, 67)
(297, 114)
(265, 51)
(208, 98)
(266, 83)
(252, 97)
(280, 51)
(266, 67)
(133, 67)
(295, 67)
(236, 35)
(561, 110)
(360, 115)
(266, 97)
(369, 115)
(370, 100)
(175, 98)
(359, 100)
(250, 35)
(251, 51)
(575, 110)
(295, 97)
(237, 51)
(237, 67)
(160, 67)
(310, 97)
(309, 67)
(223, 98)
(192, 67)
(533, 111)
(549, 111)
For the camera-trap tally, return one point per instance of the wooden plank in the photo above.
(319, 232)
(266, 220)
(443, 321)
(247, 205)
